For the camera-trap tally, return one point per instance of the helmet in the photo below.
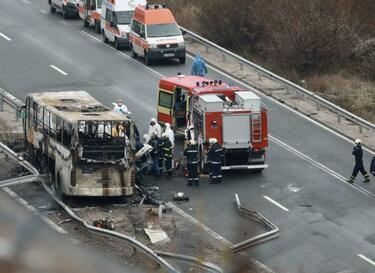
(192, 142)
(212, 140)
(358, 141)
(164, 135)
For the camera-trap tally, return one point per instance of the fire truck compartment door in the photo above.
(236, 131)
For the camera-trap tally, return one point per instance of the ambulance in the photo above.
(89, 12)
(155, 34)
(116, 17)
(68, 8)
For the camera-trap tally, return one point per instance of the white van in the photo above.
(89, 12)
(68, 8)
(116, 17)
(155, 34)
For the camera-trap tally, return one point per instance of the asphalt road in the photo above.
(325, 223)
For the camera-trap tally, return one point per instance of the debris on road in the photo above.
(180, 196)
(106, 224)
(157, 235)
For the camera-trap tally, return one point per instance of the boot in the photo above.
(351, 181)
(367, 180)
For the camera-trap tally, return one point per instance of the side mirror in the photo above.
(142, 35)
(183, 32)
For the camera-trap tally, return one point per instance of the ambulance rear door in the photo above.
(166, 100)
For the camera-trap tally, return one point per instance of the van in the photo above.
(155, 35)
(115, 21)
(68, 8)
(89, 12)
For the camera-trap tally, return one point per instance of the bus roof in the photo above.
(74, 106)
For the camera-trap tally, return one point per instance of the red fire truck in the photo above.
(234, 116)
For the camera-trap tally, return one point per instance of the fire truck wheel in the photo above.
(104, 38)
(85, 23)
(182, 60)
(134, 55)
(97, 27)
(52, 9)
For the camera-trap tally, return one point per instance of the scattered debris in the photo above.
(157, 235)
(293, 188)
(106, 224)
(180, 196)
(65, 221)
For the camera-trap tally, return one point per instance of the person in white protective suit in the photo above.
(154, 127)
(121, 108)
(170, 133)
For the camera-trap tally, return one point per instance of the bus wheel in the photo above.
(97, 27)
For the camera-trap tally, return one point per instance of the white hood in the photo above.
(124, 28)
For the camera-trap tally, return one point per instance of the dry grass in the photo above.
(351, 93)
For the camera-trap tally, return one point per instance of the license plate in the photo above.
(168, 55)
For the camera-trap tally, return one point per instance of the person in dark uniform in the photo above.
(372, 166)
(155, 143)
(191, 153)
(167, 152)
(215, 157)
(358, 153)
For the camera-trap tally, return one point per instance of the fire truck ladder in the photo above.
(256, 128)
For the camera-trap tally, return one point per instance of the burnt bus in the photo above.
(85, 147)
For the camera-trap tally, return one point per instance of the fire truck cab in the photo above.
(234, 116)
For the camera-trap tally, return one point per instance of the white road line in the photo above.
(5, 37)
(64, 23)
(59, 70)
(366, 259)
(277, 141)
(283, 105)
(43, 11)
(123, 55)
(321, 166)
(275, 203)
(34, 210)
(26, 2)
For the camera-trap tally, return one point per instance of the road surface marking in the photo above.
(64, 23)
(277, 141)
(34, 210)
(282, 105)
(59, 70)
(366, 259)
(43, 11)
(5, 37)
(275, 203)
(321, 166)
(121, 54)
(26, 2)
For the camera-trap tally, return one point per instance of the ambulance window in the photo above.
(136, 27)
(165, 99)
(142, 29)
(109, 16)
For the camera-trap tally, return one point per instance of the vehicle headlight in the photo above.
(153, 46)
(182, 44)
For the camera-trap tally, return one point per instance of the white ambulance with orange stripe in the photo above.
(116, 17)
(89, 11)
(155, 34)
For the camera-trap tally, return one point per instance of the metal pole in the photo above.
(338, 118)
(259, 76)
(224, 58)
(360, 129)
(206, 49)
(317, 106)
(1, 103)
(241, 66)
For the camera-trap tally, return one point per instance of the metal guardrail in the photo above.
(340, 112)
(5, 97)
